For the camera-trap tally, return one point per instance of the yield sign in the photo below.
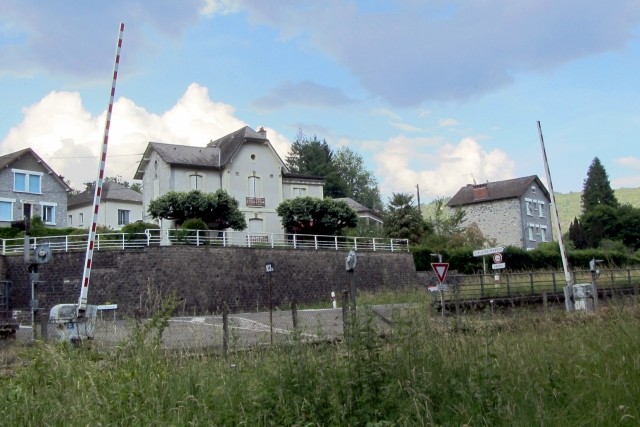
(440, 268)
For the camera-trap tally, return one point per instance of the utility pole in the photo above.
(418, 193)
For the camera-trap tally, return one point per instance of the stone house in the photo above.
(514, 212)
(244, 163)
(119, 206)
(29, 187)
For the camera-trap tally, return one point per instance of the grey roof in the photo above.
(292, 175)
(497, 190)
(180, 155)
(229, 144)
(8, 159)
(110, 191)
(215, 155)
(360, 208)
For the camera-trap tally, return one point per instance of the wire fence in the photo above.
(154, 237)
(218, 333)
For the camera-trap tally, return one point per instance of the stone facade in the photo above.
(204, 278)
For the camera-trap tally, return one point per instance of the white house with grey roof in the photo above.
(243, 163)
(514, 212)
(119, 206)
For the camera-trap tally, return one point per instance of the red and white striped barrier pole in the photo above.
(86, 274)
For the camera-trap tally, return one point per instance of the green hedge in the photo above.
(517, 259)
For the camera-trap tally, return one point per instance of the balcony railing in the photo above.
(153, 237)
(255, 202)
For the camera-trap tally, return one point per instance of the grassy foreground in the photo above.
(519, 369)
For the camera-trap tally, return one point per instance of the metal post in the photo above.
(225, 329)
(352, 291)
(345, 314)
(294, 313)
(270, 308)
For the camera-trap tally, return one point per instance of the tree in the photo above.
(360, 184)
(596, 189)
(312, 215)
(315, 157)
(218, 210)
(577, 235)
(91, 185)
(403, 219)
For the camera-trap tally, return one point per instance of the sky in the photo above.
(434, 95)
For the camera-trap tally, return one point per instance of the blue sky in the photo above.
(431, 93)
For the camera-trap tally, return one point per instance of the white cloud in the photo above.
(402, 164)
(69, 138)
(631, 162)
(447, 123)
(406, 127)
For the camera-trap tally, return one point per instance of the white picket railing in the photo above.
(152, 237)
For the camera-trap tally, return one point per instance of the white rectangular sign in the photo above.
(489, 251)
(498, 266)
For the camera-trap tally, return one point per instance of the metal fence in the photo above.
(531, 284)
(223, 332)
(154, 237)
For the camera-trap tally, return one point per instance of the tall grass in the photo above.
(516, 369)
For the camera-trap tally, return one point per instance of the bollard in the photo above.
(333, 300)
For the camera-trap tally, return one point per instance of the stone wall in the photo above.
(204, 277)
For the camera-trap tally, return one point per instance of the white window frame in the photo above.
(11, 202)
(541, 209)
(543, 233)
(70, 220)
(196, 181)
(121, 216)
(532, 236)
(80, 219)
(299, 191)
(27, 178)
(527, 204)
(253, 186)
(48, 205)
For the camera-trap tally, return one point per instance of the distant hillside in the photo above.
(569, 205)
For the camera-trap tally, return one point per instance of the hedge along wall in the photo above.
(204, 277)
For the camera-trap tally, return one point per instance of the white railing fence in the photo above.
(153, 237)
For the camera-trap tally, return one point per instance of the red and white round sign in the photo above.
(497, 258)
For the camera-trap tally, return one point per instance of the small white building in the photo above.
(119, 206)
(243, 163)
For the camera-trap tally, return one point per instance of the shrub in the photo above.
(194, 224)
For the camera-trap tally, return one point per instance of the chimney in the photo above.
(480, 191)
(263, 132)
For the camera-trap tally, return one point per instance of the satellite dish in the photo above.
(42, 254)
(351, 260)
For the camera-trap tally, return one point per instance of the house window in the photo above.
(541, 209)
(123, 216)
(254, 186)
(531, 233)
(27, 182)
(527, 203)
(6, 209)
(195, 181)
(70, 221)
(81, 219)
(253, 193)
(543, 233)
(299, 191)
(49, 213)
